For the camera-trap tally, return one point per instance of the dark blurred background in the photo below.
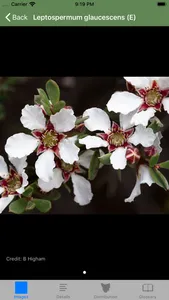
(82, 93)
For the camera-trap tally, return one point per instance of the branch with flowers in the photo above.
(70, 150)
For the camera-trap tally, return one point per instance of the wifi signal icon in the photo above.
(32, 3)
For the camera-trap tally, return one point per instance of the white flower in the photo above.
(49, 138)
(142, 178)
(157, 142)
(14, 180)
(156, 147)
(143, 136)
(63, 172)
(152, 93)
(116, 138)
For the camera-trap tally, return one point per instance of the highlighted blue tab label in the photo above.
(21, 287)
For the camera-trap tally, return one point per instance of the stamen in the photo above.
(13, 183)
(153, 97)
(49, 138)
(66, 167)
(117, 139)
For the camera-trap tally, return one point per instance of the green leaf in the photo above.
(34, 186)
(45, 101)
(76, 131)
(30, 206)
(43, 95)
(53, 91)
(94, 165)
(37, 99)
(155, 125)
(80, 136)
(18, 206)
(46, 108)
(58, 106)
(28, 191)
(159, 178)
(154, 160)
(42, 205)
(105, 159)
(164, 165)
(81, 120)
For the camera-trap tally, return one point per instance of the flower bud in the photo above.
(150, 151)
(132, 155)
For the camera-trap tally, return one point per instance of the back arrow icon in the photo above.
(7, 17)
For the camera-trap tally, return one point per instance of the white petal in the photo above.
(44, 165)
(20, 190)
(138, 82)
(98, 119)
(68, 151)
(125, 120)
(93, 142)
(143, 177)
(166, 104)
(33, 117)
(142, 135)
(163, 83)
(73, 139)
(54, 183)
(85, 158)
(118, 158)
(142, 82)
(19, 163)
(159, 134)
(25, 179)
(64, 120)
(135, 192)
(82, 189)
(20, 145)
(157, 142)
(1, 190)
(24, 183)
(4, 202)
(143, 117)
(155, 78)
(3, 168)
(124, 102)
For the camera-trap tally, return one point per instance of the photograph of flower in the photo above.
(85, 145)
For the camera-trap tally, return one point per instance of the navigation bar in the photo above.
(83, 289)
(84, 13)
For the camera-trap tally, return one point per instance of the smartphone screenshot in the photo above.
(84, 149)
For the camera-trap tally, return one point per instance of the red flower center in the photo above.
(67, 169)
(153, 97)
(11, 184)
(50, 138)
(117, 139)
